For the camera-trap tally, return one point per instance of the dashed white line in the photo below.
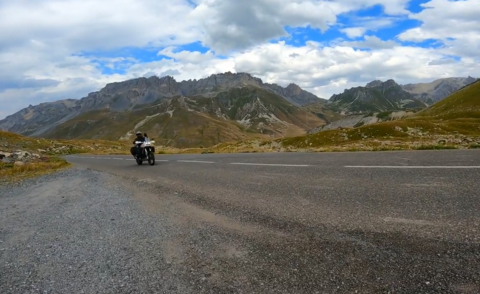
(415, 166)
(270, 164)
(195, 161)
(147, 180)
(408, 221)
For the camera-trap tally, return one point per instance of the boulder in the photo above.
(7, 160)
(20, 154)
(17, 156)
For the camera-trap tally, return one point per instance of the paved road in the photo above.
(429, 193)
(372, 222)
(369, 222)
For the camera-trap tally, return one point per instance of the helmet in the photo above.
(138, 133)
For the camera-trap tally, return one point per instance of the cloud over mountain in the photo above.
(55, 49)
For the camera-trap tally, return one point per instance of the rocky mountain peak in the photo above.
(134, 93)
(375, 96)
(116, 87)
(294, 88)
(438, 89)
(235, 79)
(390, 83)
(373, 84)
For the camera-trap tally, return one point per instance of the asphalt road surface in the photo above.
(365, 222)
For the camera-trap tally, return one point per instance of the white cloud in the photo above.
(455, 23)
(375, 23)
(321, 70)
(230, 25)
(42, 42)
(372, 42)
(391, 7)
(318, 68)
(354, 32)
(90, 25)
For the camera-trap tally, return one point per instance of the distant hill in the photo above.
(376, 96)
(181, 122)
(453, 121)
(221, 108)
(190, 113)
(462, 104)
(384, 101)
(437, 90)
(324, 111)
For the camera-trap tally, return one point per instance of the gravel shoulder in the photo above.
(77, 232)
(85, 231)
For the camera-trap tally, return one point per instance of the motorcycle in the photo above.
(147, 152)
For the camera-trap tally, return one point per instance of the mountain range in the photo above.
(378, 96)
(188, 113)
(437, 90)
(219, 108)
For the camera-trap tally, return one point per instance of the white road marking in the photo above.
(415, 166)
(195, 161)
(407, 221)
(117, 158)
(270, 164)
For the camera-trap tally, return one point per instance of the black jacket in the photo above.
(142, 139)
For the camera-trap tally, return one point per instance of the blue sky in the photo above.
(298, 36)
(66, 49)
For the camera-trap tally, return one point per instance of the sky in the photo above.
(59, 49)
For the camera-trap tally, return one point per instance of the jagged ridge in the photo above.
(376, 96)
(437, 90)
(134, 94)
(247, 112)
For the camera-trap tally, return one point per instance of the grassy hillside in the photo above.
(10, 142)
(183, 122)
(324, 111)
(451, 123)
(178, 127)
(39, 156)
(463, 104)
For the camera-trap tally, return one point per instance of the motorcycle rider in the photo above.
(139, 137)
